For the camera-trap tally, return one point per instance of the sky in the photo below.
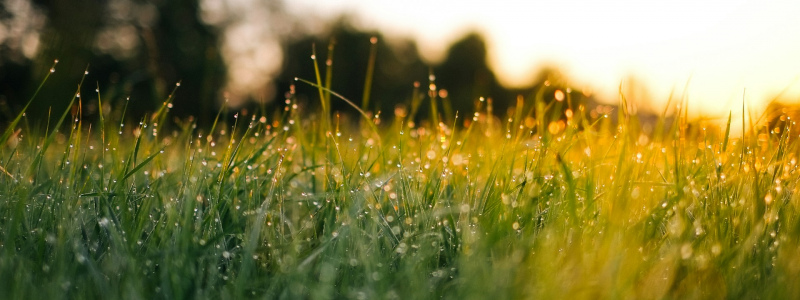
(725, 52)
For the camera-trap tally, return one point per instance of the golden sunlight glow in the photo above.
(715, 48)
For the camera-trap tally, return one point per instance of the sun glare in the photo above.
(715, 48)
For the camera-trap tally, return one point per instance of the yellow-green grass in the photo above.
(511, 206)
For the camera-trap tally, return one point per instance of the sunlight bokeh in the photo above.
(718, 49)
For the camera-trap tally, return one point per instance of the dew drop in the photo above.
(559, 95)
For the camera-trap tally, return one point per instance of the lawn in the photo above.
(311, 203)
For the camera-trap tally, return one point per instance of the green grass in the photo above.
(278, 206)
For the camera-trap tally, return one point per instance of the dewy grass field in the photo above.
(296, 204)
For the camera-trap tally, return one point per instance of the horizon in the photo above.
(725, 52)
(730, 55)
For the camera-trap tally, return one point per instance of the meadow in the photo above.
(542, 202)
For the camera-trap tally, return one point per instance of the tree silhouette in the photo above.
(466, 76)
(397, 67)
(132, 48)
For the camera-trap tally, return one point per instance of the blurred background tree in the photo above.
(243, 52)
(397, 66)
(136, 49)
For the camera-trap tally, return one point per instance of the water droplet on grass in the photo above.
(559, 95)
(686, 251)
